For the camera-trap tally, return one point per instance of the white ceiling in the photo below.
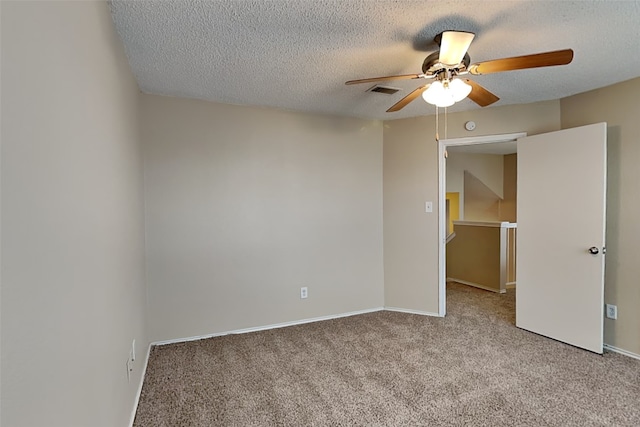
(296, 55)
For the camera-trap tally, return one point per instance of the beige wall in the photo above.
(618, 106)
(508, 210)
(535, 118)
(73, 293)
(480, 202)
(497, 172)
(410, 235)
(246, 205)
(411, 178)
(474, 256)
(488, 168)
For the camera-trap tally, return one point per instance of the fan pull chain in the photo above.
(446, 125)
(446, 128)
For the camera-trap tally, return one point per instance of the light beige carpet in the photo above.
(472, 368)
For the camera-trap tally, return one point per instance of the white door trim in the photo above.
(442, 190)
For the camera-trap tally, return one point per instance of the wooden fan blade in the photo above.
(453, 46)
(379, 79)
(480, 95)
(546, 59)
(407, 99)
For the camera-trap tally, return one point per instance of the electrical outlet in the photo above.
(612, 311)
(303, 292)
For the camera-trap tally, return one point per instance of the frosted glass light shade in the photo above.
(436, 94)
(459, 89)
(446, 94)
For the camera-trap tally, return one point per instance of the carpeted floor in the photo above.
(472, 368)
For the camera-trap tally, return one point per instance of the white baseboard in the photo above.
(266, 327)
(475, 285)
(409, 311)
(621, 351)
(511, 285)
(144, 372)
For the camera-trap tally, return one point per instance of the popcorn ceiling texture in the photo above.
(296, 55)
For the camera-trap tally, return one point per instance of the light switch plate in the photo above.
(428, 207)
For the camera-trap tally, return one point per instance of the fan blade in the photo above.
(407, 99)
(480, 95)
(379, 79)
(546, 59)
(453, 46)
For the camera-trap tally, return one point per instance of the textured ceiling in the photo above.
(296, 55)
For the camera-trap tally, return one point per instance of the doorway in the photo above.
(560, 263)
(468, 145)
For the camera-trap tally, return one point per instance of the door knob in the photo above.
(593, 250)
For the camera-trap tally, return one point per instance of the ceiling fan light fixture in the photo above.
(452, 60)
(447, 93)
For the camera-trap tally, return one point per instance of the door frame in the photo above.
(442, 189)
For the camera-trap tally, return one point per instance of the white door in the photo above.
(561, 215)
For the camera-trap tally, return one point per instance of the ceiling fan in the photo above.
(451, 61)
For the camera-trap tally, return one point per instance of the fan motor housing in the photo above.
(432, 65)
